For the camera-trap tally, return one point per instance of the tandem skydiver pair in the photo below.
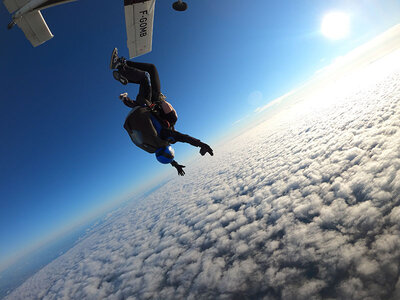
(150, 123)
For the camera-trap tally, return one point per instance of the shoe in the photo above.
(115, 61)
(117, 76)
(122, 61)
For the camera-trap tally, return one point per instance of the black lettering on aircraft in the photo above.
(143, 26)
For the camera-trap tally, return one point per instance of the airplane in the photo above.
(139, 18)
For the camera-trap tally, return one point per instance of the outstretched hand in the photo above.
(206, 149)
(180, 169)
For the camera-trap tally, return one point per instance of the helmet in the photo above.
(165, 155)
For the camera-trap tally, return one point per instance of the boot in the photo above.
(117, 76)
(116, 62)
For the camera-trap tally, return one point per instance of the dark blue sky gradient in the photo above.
(64, 152)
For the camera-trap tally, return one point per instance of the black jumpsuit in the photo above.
(169, 135)
(146, 75)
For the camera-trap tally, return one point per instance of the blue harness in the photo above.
(158, 127)
(156, 124)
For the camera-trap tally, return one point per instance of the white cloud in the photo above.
(303, 208)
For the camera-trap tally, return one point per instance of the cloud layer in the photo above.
(305, 206)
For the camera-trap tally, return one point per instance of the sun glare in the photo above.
(336, 25)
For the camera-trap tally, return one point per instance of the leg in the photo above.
(152, 70)
(141, 77)
(140, 73)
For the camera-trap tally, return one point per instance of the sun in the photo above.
(335, 25)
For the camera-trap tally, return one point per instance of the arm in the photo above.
(127, 101)
(174, 136)
(178, 167)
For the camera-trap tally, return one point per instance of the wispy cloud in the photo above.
(273, 102)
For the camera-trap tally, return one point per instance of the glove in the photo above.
(179, 168)
(204, 148)
(161, 97)
(123, 96)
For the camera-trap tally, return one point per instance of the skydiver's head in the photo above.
(165, 155)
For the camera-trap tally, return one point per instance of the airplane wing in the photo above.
(139, 18)
(35, 28)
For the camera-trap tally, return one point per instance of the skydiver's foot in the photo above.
(117, 76)
(206, 149)
(116, 62)
(122, 62)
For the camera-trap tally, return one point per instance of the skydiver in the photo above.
(150, 123)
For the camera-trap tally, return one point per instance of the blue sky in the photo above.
(64, 153)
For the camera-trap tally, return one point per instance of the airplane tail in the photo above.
(35, 28)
